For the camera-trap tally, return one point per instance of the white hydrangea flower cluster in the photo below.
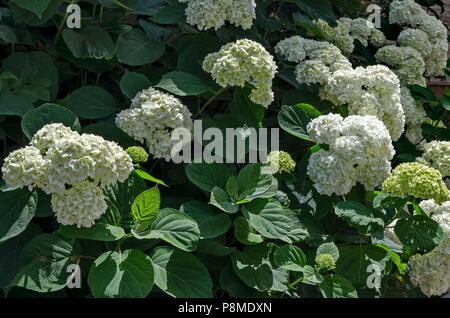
(82, 204)
(434, 46)
(317, 60)
(406, 62)
(374, 90)
(436, 154)
(438, 212)
(59, 157)
(152, 118)
(415, 116)
(431, 271)
(347, 30)
(244, 61)
(360, 150)
(207, 14)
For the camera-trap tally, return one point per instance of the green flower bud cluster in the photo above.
(325, 261)
(280, 161)
(137, 154)
(417, 180)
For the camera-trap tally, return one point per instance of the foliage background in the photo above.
(84, 77)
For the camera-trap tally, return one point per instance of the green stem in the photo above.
(209, 101)
(295, 283)
(61, 25)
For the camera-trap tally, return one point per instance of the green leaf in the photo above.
(37, 118)
(211, 225)
(290, 257)
(184, 84)
(180, 274)
(254, 267)
(135, 48)
(272, 220)
(132, 83)
(127, 274)
(98, 232)
(318, 9)
(144, 175)
(37, 61)
(294, 120)
(21, 15)
(422, 94)
(244, 233)
(419, 232)
(336, 286)
(92, 102)
(37, 7)
(10, 254)
(445, 101)
(120, 197)
(172, 14)
(110, 132)
(221, 200)
(44, 262)
(146, 205)
(243, 108)
(89, 42)
(7, 35)
(396, 259)
(11, 104)
(354, 262)
(174, 227)
(359, 216)
(234, 286)
(328, 248)
(255, 181)
(17, 209)
(206, 176)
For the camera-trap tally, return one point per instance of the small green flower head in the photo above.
(280, 161)
(137, 154)
(417, 180)
(325, 261)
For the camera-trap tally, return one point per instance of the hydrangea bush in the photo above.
(350, 198)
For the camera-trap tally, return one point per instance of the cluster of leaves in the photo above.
(207, 230)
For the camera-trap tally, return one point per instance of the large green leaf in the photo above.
(243, 108)
(290, 257)
(174, 227)
(37, 118)
(254, 267)
(98, 232)
(89, 42)
(127, 274)
(255, 181)
(206, 176)
(419, 232)
(40, 62)
(12, 104)
(221, 199)
(17, 209)
(180, 274)
(244, 233)
(171, 14)
(37, 7)
(146, 205)
(10, 254)
(274, 221)
(131, 83)
(135, 48)
(44, 262)
(359, 216)
(354, 262)
(184, 84)
(336, 286)
(294, 120)
(92, 102)
(120, 197)
(211, 224)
